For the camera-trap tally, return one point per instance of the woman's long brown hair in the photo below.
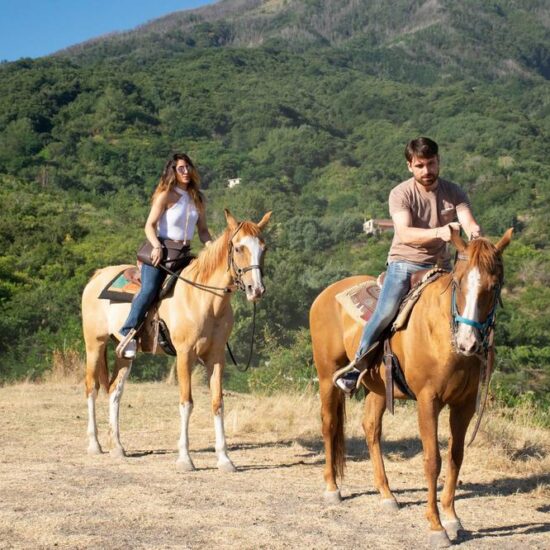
(168, 179)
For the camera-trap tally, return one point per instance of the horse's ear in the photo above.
(457, 240)
(263, 222)
(231, 221)
(505, 241)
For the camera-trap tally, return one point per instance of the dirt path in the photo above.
(52, 495)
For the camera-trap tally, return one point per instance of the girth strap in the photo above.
(394, 373)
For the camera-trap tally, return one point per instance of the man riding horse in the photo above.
(424, 210)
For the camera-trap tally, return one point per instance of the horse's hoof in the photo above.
(117, 452)
(94, 449)
(227, 466)
(185, 465)
(453, 527)
(390, 505)
(333, 497)
(439, 539)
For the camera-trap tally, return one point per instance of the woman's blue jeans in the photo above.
(151, 281)
(397, 283)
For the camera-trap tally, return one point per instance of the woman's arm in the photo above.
(157, 209)
(202, 227)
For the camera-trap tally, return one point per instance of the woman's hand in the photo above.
(156, 255)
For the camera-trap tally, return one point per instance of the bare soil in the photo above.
(53, 495)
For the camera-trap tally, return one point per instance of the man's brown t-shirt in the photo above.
(428, 209)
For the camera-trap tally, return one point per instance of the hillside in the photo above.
(310, 103)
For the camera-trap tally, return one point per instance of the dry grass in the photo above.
(54, 495)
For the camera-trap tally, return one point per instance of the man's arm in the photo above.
(468, 223)
(402, 221)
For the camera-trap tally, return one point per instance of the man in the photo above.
(423, 209)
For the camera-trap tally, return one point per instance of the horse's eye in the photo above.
(238, 249)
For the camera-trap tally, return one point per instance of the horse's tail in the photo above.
(338, 440)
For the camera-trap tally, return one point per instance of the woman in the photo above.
(177, 207)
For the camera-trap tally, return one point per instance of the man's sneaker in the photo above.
(347, 382)
(130, 350)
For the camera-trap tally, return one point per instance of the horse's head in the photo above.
(246, 251)
(477, 281)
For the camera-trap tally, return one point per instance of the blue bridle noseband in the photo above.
(483, 328)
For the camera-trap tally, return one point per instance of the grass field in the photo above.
(52, 495)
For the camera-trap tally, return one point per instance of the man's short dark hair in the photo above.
(421, 147)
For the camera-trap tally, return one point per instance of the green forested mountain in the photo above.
(310, 103)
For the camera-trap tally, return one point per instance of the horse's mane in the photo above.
(484, 255)
(210, 257)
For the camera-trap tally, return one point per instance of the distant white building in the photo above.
(233, 182)
(376, 226)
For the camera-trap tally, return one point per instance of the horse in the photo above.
(199, 317)
(441, 366)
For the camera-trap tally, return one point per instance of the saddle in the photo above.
(360, 302)
(153, 332)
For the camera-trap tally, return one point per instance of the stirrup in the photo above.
(343, 371)
(358, 363)
(123, 343)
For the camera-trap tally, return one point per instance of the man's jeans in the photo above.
(151, 281)
(397, 283)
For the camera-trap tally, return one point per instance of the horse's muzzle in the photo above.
(254, 293)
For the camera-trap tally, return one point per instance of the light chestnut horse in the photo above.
(199, 317)
(441, 353)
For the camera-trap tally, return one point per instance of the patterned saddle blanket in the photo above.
(123, 287)
(360, 300)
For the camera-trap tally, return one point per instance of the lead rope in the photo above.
(250, 351)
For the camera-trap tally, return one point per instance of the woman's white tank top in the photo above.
(178, 222)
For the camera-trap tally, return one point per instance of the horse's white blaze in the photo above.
(114, 406)
(185, 414)
(466, 336)
(255, 248)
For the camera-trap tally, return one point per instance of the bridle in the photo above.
(484, 329)
(238, 272)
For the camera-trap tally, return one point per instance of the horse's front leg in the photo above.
(429, 407)
(215, 366)
(116, 389)
(459, 419)
(372, 425)
(185, 360)
(95, 361)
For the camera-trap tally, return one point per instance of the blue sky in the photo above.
(33, 28)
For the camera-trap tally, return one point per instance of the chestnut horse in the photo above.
(441, 365)
(199, 318)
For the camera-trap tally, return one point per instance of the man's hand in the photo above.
(444, 233)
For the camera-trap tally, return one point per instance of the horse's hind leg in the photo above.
(459, 420)
(96, 367)
(116, 389)
(372, 426)
(215, 375)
